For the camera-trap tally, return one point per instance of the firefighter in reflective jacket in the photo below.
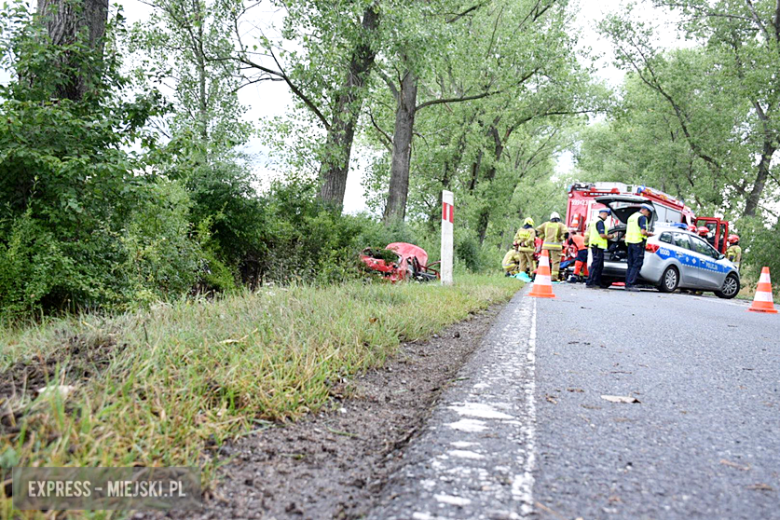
(580, 253)
(734, 252)
(524, 242)
(552, 233)
(597, 238)
(636, 235)
(511, 262)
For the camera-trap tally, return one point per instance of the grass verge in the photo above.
(161, 388)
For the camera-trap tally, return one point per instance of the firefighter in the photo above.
(524, 242)
(734, 252)
(511, 262)
(552, 233)
(577, 243)
(704, 232)
(597, 239)
(636, 235)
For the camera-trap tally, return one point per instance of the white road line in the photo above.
(482, 436)
(523, 485)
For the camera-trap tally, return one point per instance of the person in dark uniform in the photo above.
(636, 236)
(597, 239)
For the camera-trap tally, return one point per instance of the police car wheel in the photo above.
(730, 288)
(669, 280)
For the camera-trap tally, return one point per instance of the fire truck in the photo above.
(582, 209)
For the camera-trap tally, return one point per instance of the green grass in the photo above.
(181, 378)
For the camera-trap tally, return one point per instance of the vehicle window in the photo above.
(702, 247)
(681, 240)
(666, 238)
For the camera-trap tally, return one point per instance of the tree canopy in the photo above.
(125, 175)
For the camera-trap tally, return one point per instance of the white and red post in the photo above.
(447, 219)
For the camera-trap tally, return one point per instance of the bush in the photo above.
(468, 251)
(760, 247)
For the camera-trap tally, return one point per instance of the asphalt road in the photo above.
(525, 433)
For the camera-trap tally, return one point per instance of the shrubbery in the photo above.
(86, 223)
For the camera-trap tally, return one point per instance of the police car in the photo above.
(674, 257)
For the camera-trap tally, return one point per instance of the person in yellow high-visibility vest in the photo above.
(511, 262)
(637, 232)
(552, 232)
(524, 242)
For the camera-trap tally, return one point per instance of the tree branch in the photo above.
(777, 21)
(387, 141)
(476, 96)
(756, 19)
(467, 11)
(389, 82)
(290, 84)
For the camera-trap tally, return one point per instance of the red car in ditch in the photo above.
(400, 261)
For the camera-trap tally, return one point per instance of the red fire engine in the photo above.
(582, 209)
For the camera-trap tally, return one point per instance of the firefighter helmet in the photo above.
(703, 231)
(691, 228)
(733, 239)
(529, 221)
(554, 215)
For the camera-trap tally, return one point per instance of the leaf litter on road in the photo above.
(761, 487)
(735, 465)
(620, 399)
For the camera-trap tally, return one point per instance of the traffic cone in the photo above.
(762, 302)
(543, 283)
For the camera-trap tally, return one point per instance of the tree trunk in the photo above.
(200, 59)
(335, 166)
(65, 22)
(450, 167)
(402, 149)
(751, 206)
(484, 216)
(475, 167)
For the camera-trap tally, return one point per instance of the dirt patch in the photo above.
(335, 463)
(79, 358)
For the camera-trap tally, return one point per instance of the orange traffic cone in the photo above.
(762, 302)
(543, 283)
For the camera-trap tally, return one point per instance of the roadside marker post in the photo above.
(447, 220)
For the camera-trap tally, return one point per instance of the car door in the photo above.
(709, 274)
(683, 249)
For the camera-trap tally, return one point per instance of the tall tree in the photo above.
(324, 53)
(348, 102)
(68, 21)
(744, 52)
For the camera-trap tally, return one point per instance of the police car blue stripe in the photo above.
(692, 261)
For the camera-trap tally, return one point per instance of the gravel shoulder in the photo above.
(335, 463)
